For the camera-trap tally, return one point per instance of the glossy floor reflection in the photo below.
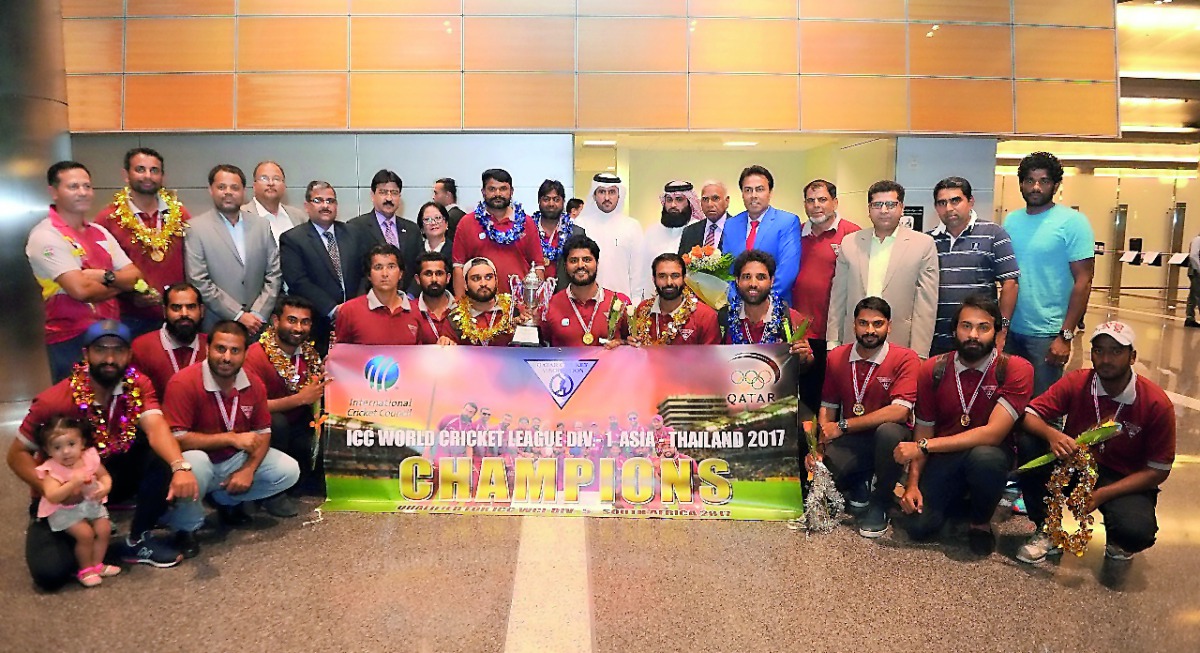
(362, 582)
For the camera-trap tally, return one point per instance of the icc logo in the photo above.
(381, 373)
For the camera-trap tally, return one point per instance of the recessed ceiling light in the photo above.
(740, 143)
(599, 143)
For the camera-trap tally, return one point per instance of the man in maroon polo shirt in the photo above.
(967, 403)
(1132, 465)
(385, 315)
(148, 221)
(676, 316)
(578, 315)
(820, 242)
(178, 343)
(286, 360)
(755, 315)
(219, 414)
(482, 317)
(499, 231)
(434, 300)
(135, 445)
(870, 389)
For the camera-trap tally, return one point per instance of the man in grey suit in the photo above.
(230, 255)
(889, 261)
(383, 224)
(270, 184)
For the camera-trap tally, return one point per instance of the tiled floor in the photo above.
(366, 582)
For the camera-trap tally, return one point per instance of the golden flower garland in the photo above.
(283, 363)
(156, 242)
(461, 314)
(679, 317)
(1079, 463)
(85, 399)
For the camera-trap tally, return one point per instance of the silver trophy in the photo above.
(533, 297)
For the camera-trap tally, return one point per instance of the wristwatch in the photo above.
(181, 466)
(1004, 322)
(843, 426)
(110, 277)
(923, 445)
(1067, 335)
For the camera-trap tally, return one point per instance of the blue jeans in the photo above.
(276, 473)
(63, 356)
(1034, 350)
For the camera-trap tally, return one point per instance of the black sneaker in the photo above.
(148, 550)
(281, 505)
(234, 516)
(874, 522)
(186, 542)
(858, 498)
(1191, 323)
(981, 542)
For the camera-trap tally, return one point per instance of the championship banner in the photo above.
(679, 432)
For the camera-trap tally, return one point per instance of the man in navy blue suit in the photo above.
(764, 227)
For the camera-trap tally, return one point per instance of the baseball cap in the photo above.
(1119, 331)
(106, 328)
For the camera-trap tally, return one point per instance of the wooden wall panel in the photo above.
(405, 101)
(173, 45)
(852, 48)
(405, 7)
(1065, 53)
(293, 7)
(971, 11)
(632, 45)
(94, 102)
(724, 101)
(292, 101)
(518, 8)
(179, 7)
(292, 44)
(743, 8)
(632, 7)
(961, 50)
(519, 101)
(155, 102)
(740, 45)
(93, 8)
(93, 46)
(962, 105)
(1083, 13)
(1067, 108)
(855, 9)
(389, 43)
(854, 104)
(632, 101)
(519, 44)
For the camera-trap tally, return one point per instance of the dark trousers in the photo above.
(1129, 520)
(138, 472)
(295, 438)
(857, 457)
(1193, 299)
(813, 378)
(63, 356)
(978, 474)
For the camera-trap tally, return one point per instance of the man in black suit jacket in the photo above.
(445, 193)
(714, 204)
(385, 195)
(307, 259)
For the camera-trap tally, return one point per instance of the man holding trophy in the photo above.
(584, 314)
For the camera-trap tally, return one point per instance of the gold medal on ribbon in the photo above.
(965, 420)
(157, 255)
(859, 410)
(588, 339)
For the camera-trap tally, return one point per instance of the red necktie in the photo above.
(753, 233)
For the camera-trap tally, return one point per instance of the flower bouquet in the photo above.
(708, 275)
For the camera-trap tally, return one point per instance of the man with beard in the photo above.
(1131, 465)
(680, 207)
(231, 256)
(178, 343)
(270, 184)
(228, 448)
(765, 228)
(676, 316)
(870, 388)
(619, 235)
(967, 403)
(321, 261)
(434, 300)
(288, 364)
(579, 315)
(135, 445)
(714, 204)
(500, 232)
(385, 315)
(755, 315)
(382, 225)
(1054, 248)
(481, 317)
(148, 221)
(820, 242)
(555, 228)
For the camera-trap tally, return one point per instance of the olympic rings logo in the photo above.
(748, 377)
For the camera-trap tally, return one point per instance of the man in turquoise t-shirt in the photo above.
(1053, 245)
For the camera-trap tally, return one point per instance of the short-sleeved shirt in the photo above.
(981, 256)
(59, 400)
(939, 406)
(55, 470)
(470, 241)
(158, 274)
(365, 320)
(50, 256)
(701, 327)
(258, 364)
(158, 356)
(562, 327)
(432, 327)
(1046, 244)
(195, 403)
(818, 256)
(893, 378)
(756, 329)
(1146, 418)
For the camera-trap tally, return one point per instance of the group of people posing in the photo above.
(145, 302)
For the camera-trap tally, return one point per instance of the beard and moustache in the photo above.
(673, 220)
(586, 281)
(183, 329)
(106, 374)
(669, 293)
(973, 351)
(498, 202)
(870, 340)
(434, 289)
(481, 294)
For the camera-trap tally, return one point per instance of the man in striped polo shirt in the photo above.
(973, 255)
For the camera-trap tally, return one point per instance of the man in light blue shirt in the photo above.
(1053, 245)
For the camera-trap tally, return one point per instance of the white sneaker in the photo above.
(1037, 548)
(1114, 552)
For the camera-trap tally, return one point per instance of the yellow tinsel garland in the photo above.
(461, 314)
(283, 363)
(1079, 463)
(642, 319)
(155, 241)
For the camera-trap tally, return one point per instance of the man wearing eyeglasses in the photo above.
(383, 223)
(889, 261)
(322, 260)
(270, 184)
(1054, 247)
(973, 256)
